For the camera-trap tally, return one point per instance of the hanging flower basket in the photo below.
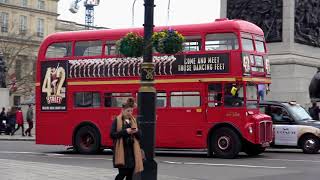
(131, 45)
(168, 41)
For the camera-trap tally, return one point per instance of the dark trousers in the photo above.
(125, 172)
(28, 131)
(18, 129)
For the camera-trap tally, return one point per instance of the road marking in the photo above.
(17, 152)
(75, 157)
(291, 160)
(226, 165)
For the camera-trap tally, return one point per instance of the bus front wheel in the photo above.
(226, 143)
(87, 140)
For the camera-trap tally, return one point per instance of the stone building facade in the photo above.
(23, 25)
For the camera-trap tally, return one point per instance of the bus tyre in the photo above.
(87, 140)
(310, 144)
(254, 149)
(226, 143)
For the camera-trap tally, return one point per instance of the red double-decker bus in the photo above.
(206, 95)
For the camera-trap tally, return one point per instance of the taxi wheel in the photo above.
(226, 143)
(310, 144)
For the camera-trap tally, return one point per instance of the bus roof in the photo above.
(219, 25)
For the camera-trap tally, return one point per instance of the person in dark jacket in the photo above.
(11, 117)
(127, 156)
(314, 111)
(29, 120)
(3, 117)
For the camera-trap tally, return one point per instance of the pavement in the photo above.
(18, 135)
(26, 160)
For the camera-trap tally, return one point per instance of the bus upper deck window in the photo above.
(111, 48)
(88, 48)
(260, 45)
(247, 42)
(221, 41)
(59, 50)
(192, 43)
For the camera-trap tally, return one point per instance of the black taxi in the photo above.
(292, 126)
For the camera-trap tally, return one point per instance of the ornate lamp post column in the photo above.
(147, 97)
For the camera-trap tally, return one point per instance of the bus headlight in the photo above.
(250, 129)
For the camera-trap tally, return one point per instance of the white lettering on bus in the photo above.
(190, 61)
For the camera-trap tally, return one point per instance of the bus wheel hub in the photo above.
(224, 142)
(87, 140)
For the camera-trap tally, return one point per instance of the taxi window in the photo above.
(279, 115)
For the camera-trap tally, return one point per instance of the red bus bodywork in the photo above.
(176, 127)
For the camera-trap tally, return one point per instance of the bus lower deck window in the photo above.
(116, 99)
(185, 99)
(86, 99)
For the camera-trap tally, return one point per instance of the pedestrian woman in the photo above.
(19, 120)
(125, 133)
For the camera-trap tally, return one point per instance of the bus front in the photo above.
(256, 79)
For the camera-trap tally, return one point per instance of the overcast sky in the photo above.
(118, 13)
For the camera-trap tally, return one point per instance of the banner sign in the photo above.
(164, 65)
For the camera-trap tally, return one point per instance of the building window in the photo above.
(40, 28)
(4, 21)
(16, 100)
(24, 3)
(18, 69)
(41, 4)
(86, 99)
(23, 25)
(4, 1)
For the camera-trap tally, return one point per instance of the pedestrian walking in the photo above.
(127, 154)
(29, 120)
(19, 120)
(314, 111)
(11, 116)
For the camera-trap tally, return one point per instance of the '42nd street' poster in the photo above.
(53, 85)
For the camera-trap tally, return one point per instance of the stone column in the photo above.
(295, 56)
(4, 98)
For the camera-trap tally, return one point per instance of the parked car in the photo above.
(293, 126)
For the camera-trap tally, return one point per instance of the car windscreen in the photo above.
(299, 113)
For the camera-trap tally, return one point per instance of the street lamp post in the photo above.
(147, 97)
